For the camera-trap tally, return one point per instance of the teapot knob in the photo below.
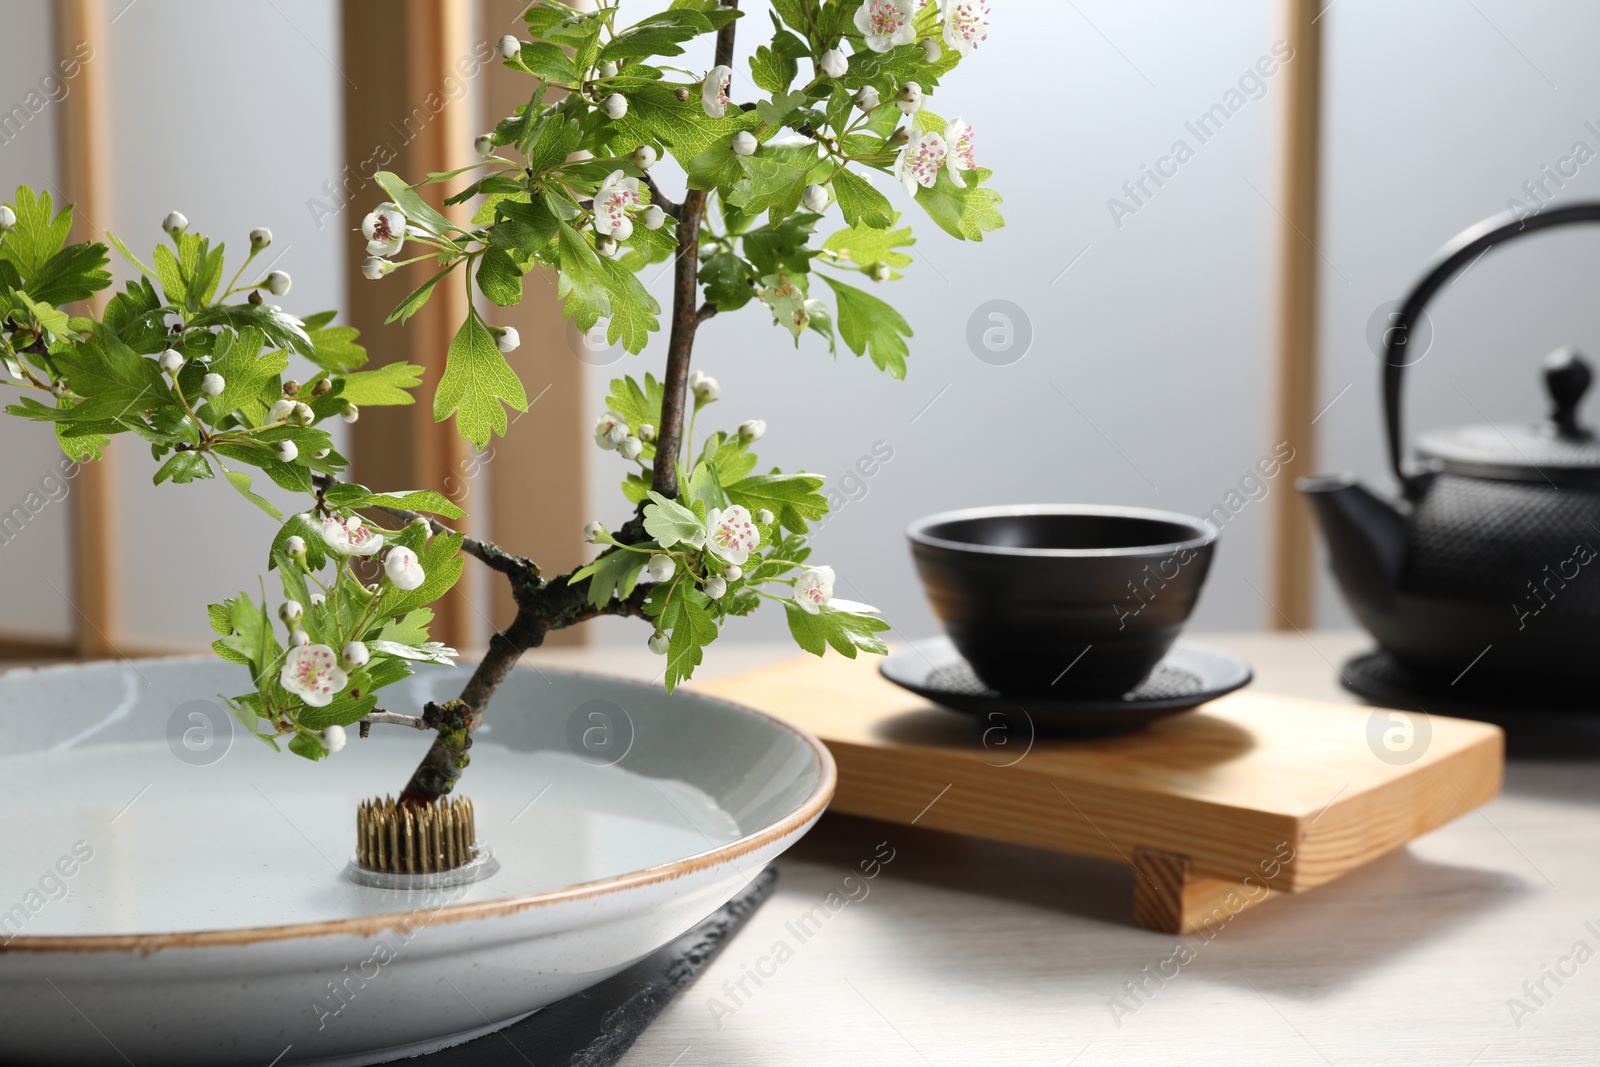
(1566, 378)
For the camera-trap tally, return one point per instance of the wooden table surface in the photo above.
(1473, 945)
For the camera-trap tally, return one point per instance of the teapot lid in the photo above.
(1557, 450)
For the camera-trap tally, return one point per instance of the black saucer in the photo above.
(1382, 679)
(1189, 675)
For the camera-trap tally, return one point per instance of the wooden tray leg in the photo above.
(1170, 898)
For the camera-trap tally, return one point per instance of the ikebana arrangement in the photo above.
(198, 368)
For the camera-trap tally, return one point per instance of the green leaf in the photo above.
(184, 467)
(866, 246)
(691, 633)
(477, 383)
(415, 500)
(772, 71)
(412, 206)
(548, 61)
(869, 325)
(428, 652)
(241, 481)
(636, 405)
(860, 203)
(583, 283)
(612, 576)
(965, 213)
(384, 386)
(36, 236)
(656, 115)
(769, 182)
(304, 525)
(46, 315)
(499, 278)
(74, 273)
(246, 372)
(670, 523)
(786, 297)
(633, 309)
(417, 297)
(846, 631)
(441, 562)
(116, 242)
(794, 499)
(335, 347)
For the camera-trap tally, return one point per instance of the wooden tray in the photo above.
(1216, 809)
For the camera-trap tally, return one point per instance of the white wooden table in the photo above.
(965, 952)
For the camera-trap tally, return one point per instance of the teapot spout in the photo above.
(1366, 536)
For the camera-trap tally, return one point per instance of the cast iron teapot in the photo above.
(1488, 559)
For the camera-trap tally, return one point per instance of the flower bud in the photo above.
(764, 517)
(298, 638)
(897, 139)
(277, 282)
(402, 568)
(681, 93)
(610, 431)
(318, 599)
(745, 143)
(332, 738)
(295, 546)
(58, 389)
(867, 98)
(373, 268)
(260, 237)
(653, 218)
(594, 533)
(660, 568)
(608, 69)
(287, 451)
(931, 49)
(213, 384)
(659, 643)
(715, 588)
(356, 654)
(630, 447)
(281, 411)
(321, 453)
(880, 272)
(290, 611)
(323, 387)
(171, 361)
(510, 47)
(615, 106)
(302, 415)
(644, 157)
(175, 223)
(645, 432)
(606, 245)
(350, 414)
(291, 388)
(8, 218)
(752, 429)
(733, 572)
(910, 98)
(833, 63)
(815, 198)
(483, 145)
(507, 339)
(704, 386)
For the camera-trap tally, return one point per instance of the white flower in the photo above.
(931, 49)
(507, 339)
(958, 143)
(815, 198)
(351, 536)
(833, 63)
(277, 282)
(171, 361)
(213, 384)
(483, 145)
(752, 429)
(606, 246)
(373, 268)
(356, 654)
(615, 106)
(287, 451)
(260, 237)
(653, 217)
(510, 47)
(281, 411)
(867, 98)
(8, 218)
(659, 643)
(715, 588)
(298, 639)
(594, 533)
(290, 611)
(312, 673)
(660, 568)
(402, 568)
(966, 22)
(919, 162)
(745, 143)
(332, 738)
(886, 23)
(630, 447)
(610, 431)
(733, 572)
(295, 546)
(644, 157)
(385, 229)
(645, 432)
(175, 223)
(731, 534)
(704, 387)
(765, 517)
(714, 91)
(813, 589)
(350, 414)
(910, 99)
